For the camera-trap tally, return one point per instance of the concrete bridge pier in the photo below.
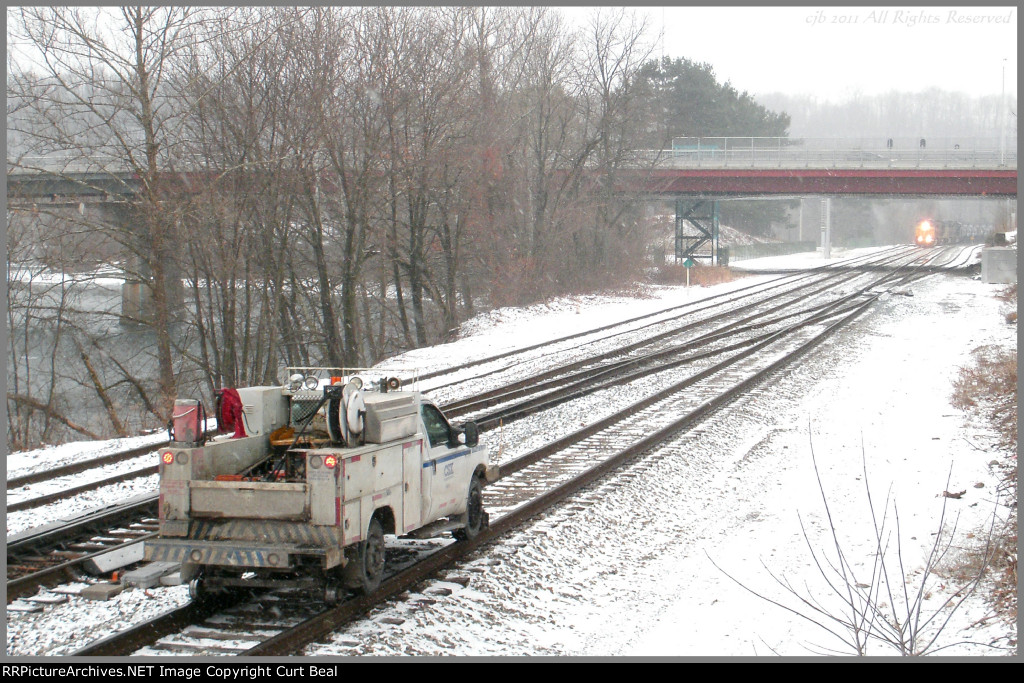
(137, 300)
(999, 265)
(137, 291)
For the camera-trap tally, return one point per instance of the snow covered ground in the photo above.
(812, 259)
(40, 460)
(628, 568)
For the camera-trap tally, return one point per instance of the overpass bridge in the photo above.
(760, 167)
(699, 172)
(696, 172)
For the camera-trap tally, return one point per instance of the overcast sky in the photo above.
(834, 52)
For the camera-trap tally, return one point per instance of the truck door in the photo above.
(412, 497)
(440, 469)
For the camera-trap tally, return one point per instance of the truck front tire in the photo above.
(476, 518)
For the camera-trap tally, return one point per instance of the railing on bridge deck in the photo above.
(839, 153)
(68, 164)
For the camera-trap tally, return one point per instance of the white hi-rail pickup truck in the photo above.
(313, 477)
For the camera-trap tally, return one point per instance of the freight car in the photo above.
(312, 477)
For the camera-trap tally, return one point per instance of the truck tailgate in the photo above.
(249, 500)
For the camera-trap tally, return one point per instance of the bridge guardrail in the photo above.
(840, 159)
(899, 152)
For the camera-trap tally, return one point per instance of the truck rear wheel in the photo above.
(366, 570)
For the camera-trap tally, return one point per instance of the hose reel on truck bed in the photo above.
(346, 410)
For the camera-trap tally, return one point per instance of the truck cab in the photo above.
(314, 475)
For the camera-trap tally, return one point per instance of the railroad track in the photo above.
(702, 309)
(71, 491)
(22, 584)
(568, 466)
(572, 378)
(74, 471)
(49, 555)
(80, 465)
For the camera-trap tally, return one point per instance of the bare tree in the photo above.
(616, 50)
(242, 135)
(320, 185)
(106, 93)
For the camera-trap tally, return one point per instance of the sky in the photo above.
(836, 52)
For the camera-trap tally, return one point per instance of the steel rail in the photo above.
(22, 585)
(174, 620)
(290, 639)
(92, 463)
(41, 540)
(548, 401)
(47, 575)
(613, 377)
(56, 533)
(288, 642)
(39, 501)
(29, 584)
(87, 464)
(454, 408)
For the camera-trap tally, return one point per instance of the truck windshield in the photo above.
(437, 426)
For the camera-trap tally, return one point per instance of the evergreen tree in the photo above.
(684, 99)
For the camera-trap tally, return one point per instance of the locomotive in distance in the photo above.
(932, 232)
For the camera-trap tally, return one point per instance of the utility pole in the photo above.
(800, 229)
(826, 227)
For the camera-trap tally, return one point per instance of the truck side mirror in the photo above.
(472, 434)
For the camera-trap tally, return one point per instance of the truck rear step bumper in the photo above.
(225, 554)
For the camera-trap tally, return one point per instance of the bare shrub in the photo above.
(990, 385)
(1000, 557)
(701, 276)
(1005, 594)
(884, 604)
(1009, 295)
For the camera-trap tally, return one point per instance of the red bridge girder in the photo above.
(736, 182)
